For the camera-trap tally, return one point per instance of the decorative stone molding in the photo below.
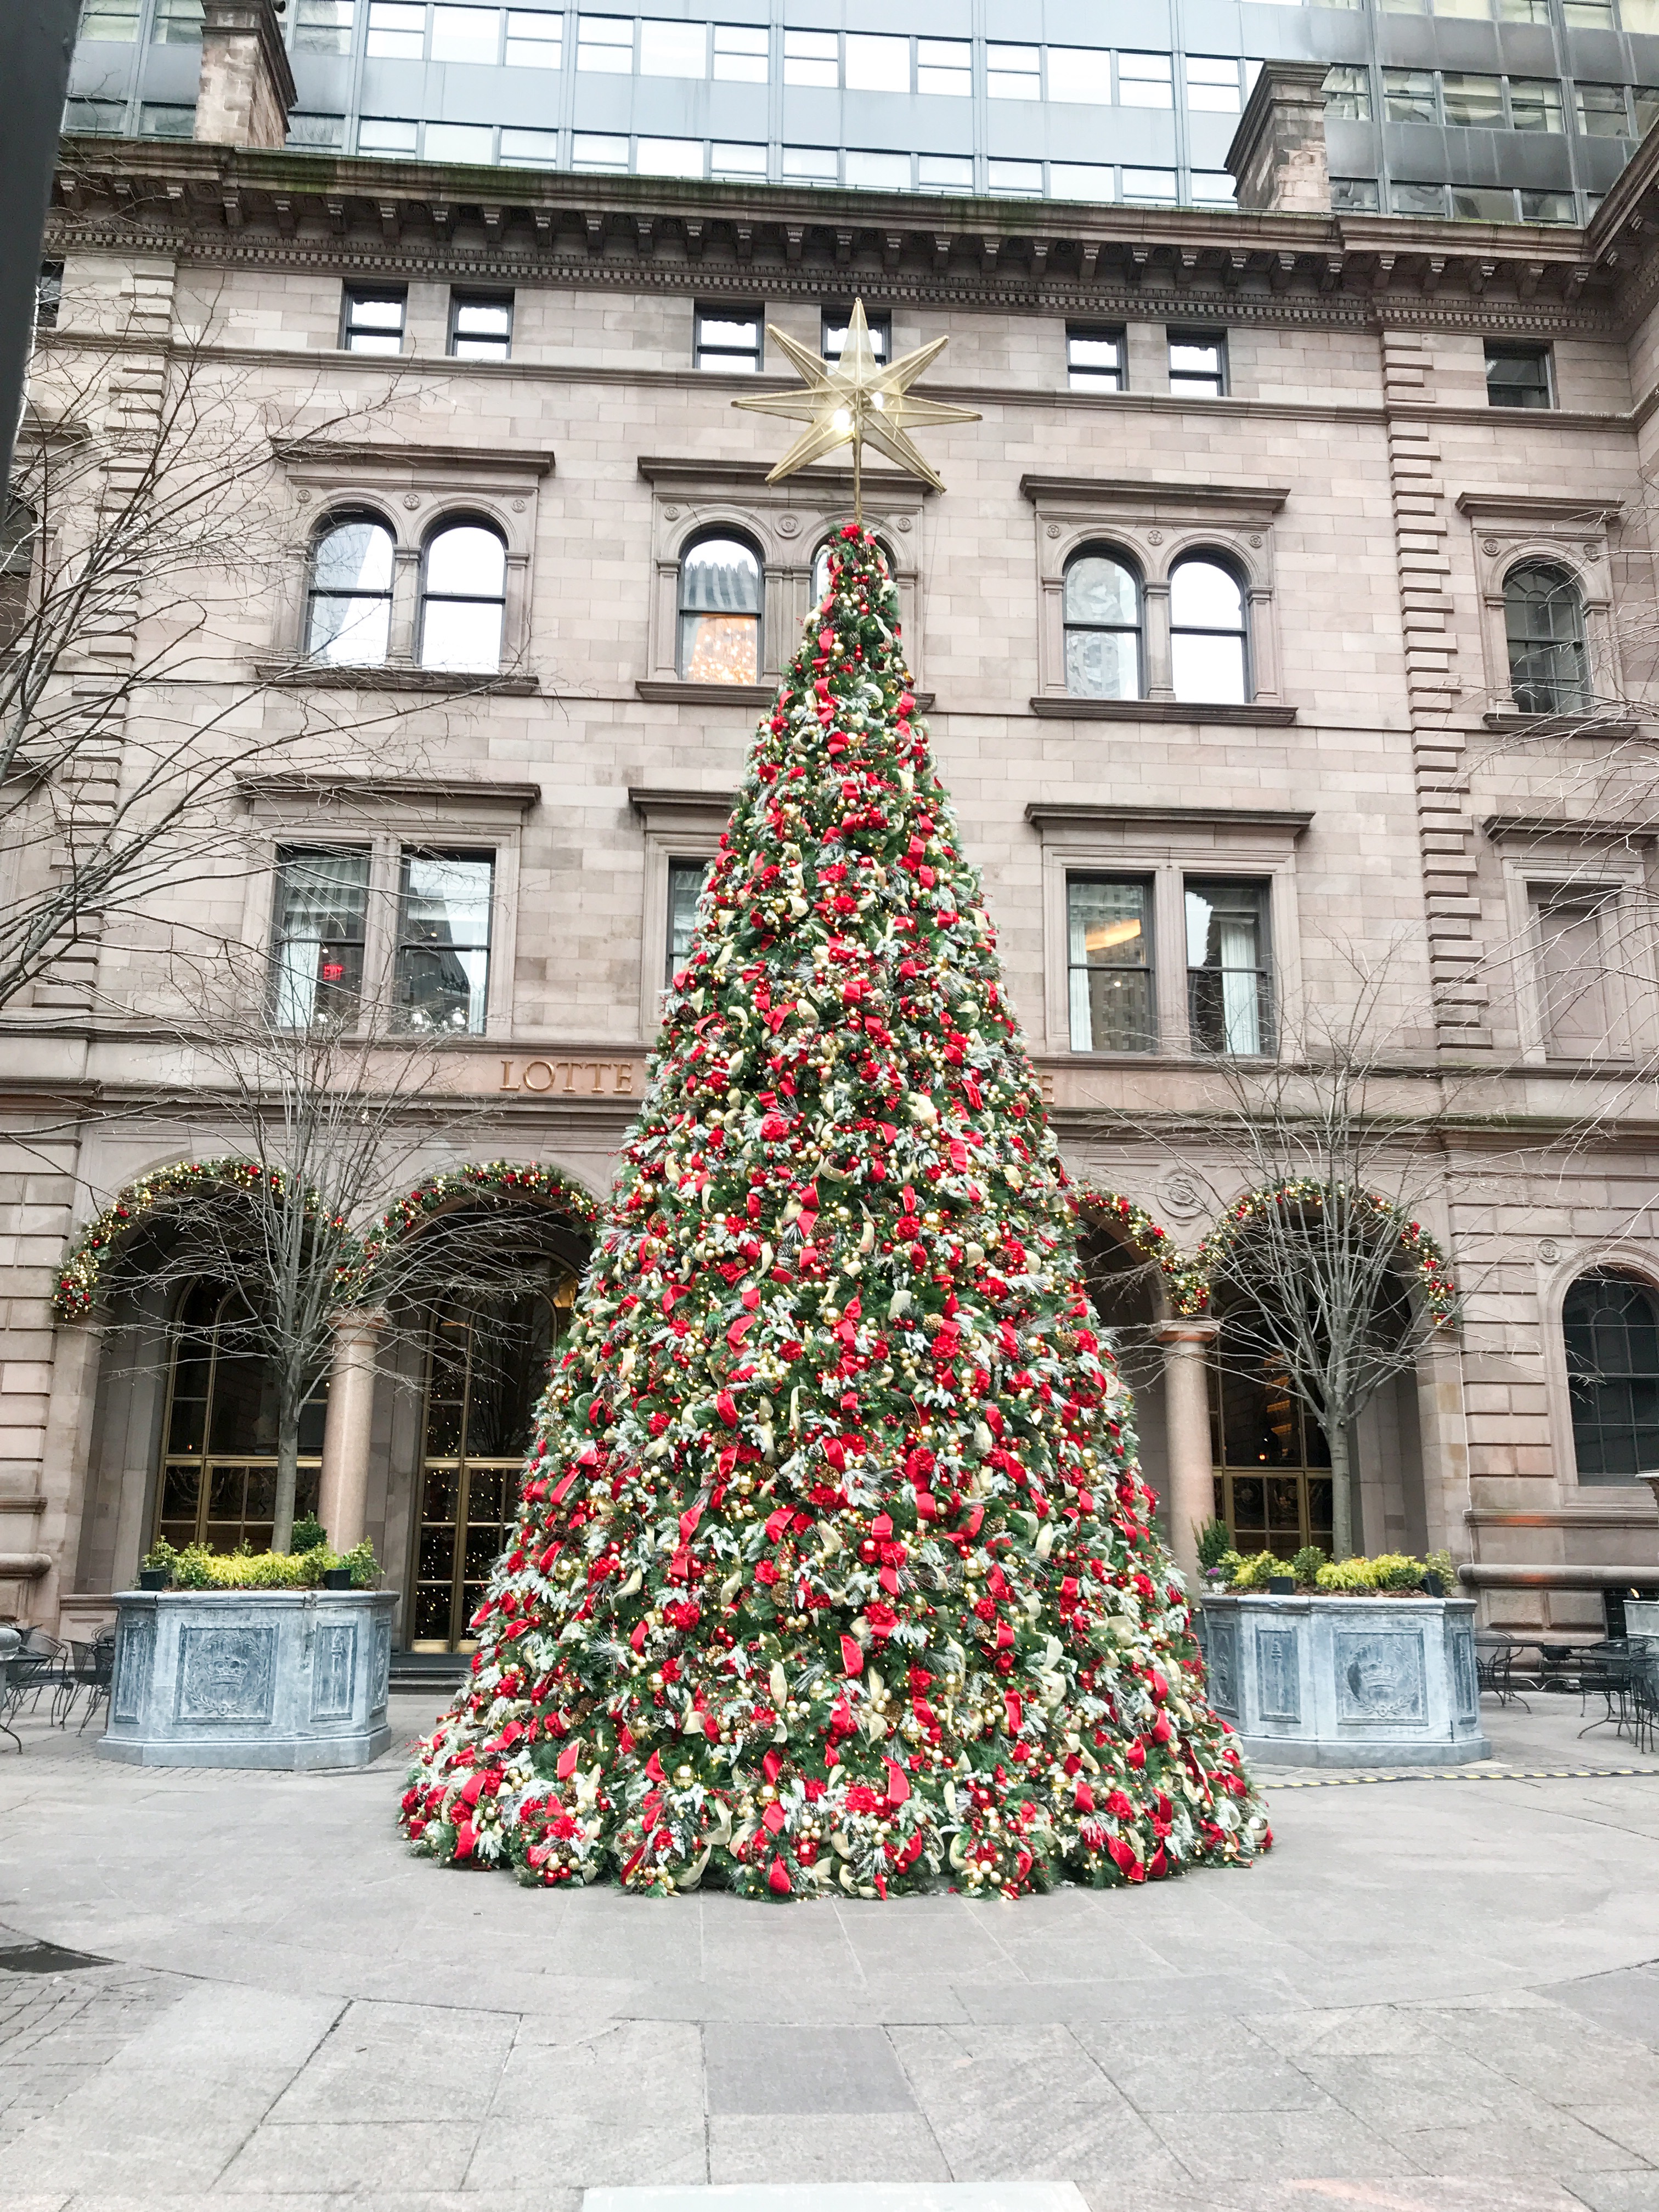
(1157, 524)
(1572, 534)
(786, 523)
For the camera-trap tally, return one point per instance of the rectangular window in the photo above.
(1108, 958)
(1536, 103)
(1212, 84)
(460, 142)
(1482, 204)
(669, 157)
(811, 165)
(811, 57)
(1408, 97)
(530, 149)
(1013, 72)
(598, 149)
(1144, 81)
(725, 160)
(685, 882)
(317, 945)
(1355, 195)
(371, 319)
(1523, 11)
(466, 34)
(945, 173)
(1601, 112)
(163, 118)
(946, 66)
(323, 27)
(1198, 367)
(878, 173)
(1518, 375)
(1471, 102)
(1644, 99)
(1081, 180)
(834, 333)
(386, 133)
(1213, 188)
(443, 943)
(176, 23)
(673, 49)
(1409, 198)
(480, 326)
(741, 54)
(397, 31)
(727, 339)
(1551, 207)
(534, 41)
(1094, 358)
(1021, 176)
(115, 21)
(1348, 93)
(1229, 981)
(322, 132)
(605, 43)
(1080, 73)
(1572, 972)
(103, 115)
(1158, 185)
(48, 295)
(1587, 15)
(877, 63)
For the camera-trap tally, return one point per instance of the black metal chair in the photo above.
(91, 1667)
(39, 1669)
(1494, 1669)
(10, 1644)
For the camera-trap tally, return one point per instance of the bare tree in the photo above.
(147, 515)
(1319, 1165)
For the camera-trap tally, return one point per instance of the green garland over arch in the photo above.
(166, 1189)
(1109, 1209)
(503, 1181)
(1422, 1252)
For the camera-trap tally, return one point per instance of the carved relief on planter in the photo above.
(1379, 1678)
(226, 1674)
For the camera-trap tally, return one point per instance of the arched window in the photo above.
(17, 543)
(821, 567)
(1611, 1326)
(463, 598)
(1103, 626)
(1209, 656)
(721, 584)
(1544, 626)
(487, 1366)
(218, 1483)
(348, 608)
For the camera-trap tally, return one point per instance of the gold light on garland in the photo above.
(856, 401)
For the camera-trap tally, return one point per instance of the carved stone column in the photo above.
(1186, 1344)
(342, 1503)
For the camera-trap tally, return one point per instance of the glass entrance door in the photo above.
(487, 1364)
(1272, 1484)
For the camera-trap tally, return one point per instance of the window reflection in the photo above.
(443, 942)
(349, 611)
(317, 955)
(719, 612)
(464, 599)
(1102, 627)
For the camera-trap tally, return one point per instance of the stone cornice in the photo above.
(1133, 491)
(695, 468)
(1519, 507)
(439, 790)
(1531, 827)
(335, 454)
(1170, 264)
(1063, 814)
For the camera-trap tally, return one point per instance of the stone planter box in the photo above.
(250, 1678)
(1347, 1681)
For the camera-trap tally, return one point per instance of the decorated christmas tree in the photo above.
(834, 1569)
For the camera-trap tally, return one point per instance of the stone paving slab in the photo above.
(1430, 1997)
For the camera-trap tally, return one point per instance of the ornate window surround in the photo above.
(1561, 1262)
(788, 522)
(678, 825)
(1166, 845)
(383, 816)
(413, 489)
(1157, 524)
(1598, 861)
(1506, 532)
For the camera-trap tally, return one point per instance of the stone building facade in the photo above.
(1228, 629)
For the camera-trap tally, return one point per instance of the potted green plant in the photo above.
(155, 1569)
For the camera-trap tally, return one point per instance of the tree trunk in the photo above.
(288, 1475)
(1341, 1493)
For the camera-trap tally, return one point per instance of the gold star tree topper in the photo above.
(856, 401)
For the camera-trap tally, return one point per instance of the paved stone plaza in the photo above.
(1435, 1995)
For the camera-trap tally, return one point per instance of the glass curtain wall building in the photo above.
(1503, 110)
